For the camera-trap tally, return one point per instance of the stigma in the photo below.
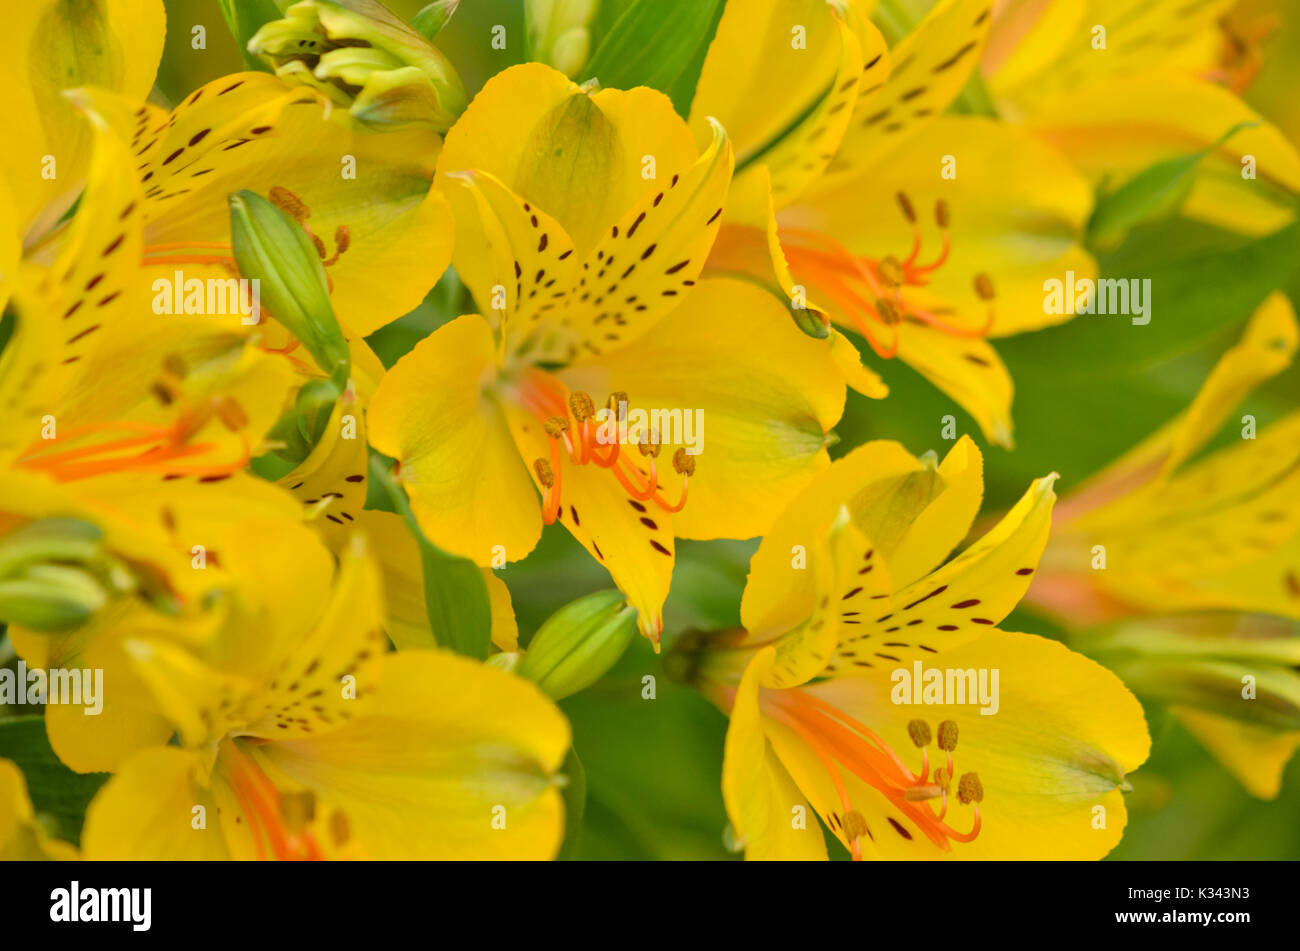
(873, 294)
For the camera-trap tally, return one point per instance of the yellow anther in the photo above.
(984, 286)
(948, 735)
(684, 462)
(545, 475)
(922, 793)
(906, 204)
(891, 271)
(941, 213)
(940, 778)
(647, 447)
(970, 789)
(855, 825)
(555, 426)
(919, 731)
(581, 406)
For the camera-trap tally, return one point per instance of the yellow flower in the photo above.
(306, 739)
(857, 200)
(582, 222)
(1119, 87)
(849, 610)
(1177, 567)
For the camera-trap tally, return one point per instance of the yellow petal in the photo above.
(21, 837)
(767, 810)
(761, 411)
(929, 69)
(1255, 755)
(148, 811)
(1066, 734)
(469, 488)
(331, 481)
(970, 372)
(1113, 130)
(49, 47)
(469, 777)
(579, 157)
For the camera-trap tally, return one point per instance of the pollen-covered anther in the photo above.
(941, 778)
(919, 731)
(984, 287)
(289, 203)
(556, 426)
(891, 271)
(970, 789)
(231, 414)
(854, 825)
(941, 213)
(888, 311)
(948, 735)
(647, 447)
(320, 246)
(684, 462)
(545, 474)
(581, 406)
(618, 405)
(906, 204)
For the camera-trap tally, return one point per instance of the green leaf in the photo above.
(655, 43)
(55, 790)
(246, 17)
(575, 804)
(455, 594)
(1155, 192)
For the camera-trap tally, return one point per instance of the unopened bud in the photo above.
(579, 643)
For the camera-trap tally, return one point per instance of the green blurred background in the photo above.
(1085, 392)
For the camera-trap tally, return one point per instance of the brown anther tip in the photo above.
(854, 825)
(288, 202)
(618, 405)
(342, 239)
(906, 204)
(984, 286)
(545, 475)
(582, 407)
(684, 462)
(231, 414)
(891, 271)
(940, 778)
(948, 735)
(320, 246)
(970, 789)
(919, 731)
(555, 426)
(163, 391)
(888, 311)
(941, 213)
(648, 448)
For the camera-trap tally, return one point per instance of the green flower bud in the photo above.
(430, 21)
(55, 574)
(51, 598)
(579, 643)
(275, 251)
(558, 32)
(364, 58)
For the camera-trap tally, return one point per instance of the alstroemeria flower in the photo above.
(583, 219)
(857, 200)
(309, 740)
(1120, 87)
(1167, 531)
(849, 592)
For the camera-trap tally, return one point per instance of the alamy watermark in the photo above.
(35, 686)
(210, 296)
(950, 686)
(1108, 296)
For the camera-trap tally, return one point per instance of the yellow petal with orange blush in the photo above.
(471, 776)
(436, 414)
(762, 801)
